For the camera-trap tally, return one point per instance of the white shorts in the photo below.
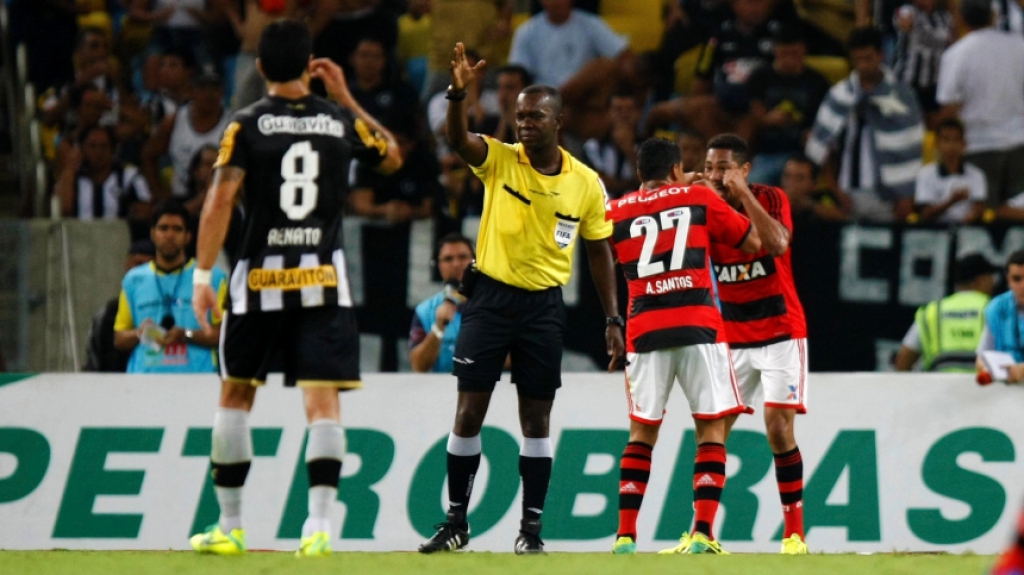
(704, 371)
(776, 374)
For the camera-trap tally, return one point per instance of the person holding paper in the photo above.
(1004, 325)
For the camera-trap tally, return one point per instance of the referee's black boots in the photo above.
(451, 535)
(528, 542)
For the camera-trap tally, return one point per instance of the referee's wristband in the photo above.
(201, 277)
(438, 332)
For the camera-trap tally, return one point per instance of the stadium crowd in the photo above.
(862, 110)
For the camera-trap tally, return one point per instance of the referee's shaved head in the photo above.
(552, 94)
(539, 118)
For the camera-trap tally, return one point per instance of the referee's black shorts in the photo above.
(501, 319)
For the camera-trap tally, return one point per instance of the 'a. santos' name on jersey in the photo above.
(321, 124)
(294, 236)
(669, 284)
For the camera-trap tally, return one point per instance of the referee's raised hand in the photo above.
(462, 73)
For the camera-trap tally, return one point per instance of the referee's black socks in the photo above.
(463, 463)
(535, 469)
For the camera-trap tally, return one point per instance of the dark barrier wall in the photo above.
(860, 285)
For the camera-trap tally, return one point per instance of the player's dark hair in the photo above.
(864, 37)
(805, 161)
(171, 208)
(552, 94)
(737, 145)
(83, 134)
(453, 238)
(524, 75)
(656, 157)
(1016, 259)
(284, 50)
(976, 13)
(950, 124)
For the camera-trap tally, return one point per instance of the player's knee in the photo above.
(237, 396)
(535, 426)
(469, 419)
(780, 432)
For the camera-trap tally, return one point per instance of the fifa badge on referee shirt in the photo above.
(565, 230)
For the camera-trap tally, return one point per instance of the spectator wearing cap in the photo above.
(101, 355)
(981, 80)
(950, 190)
(946, 332)
(199, 123)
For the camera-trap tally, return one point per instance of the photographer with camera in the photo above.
(436, 322)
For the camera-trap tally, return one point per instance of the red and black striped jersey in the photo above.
(661, 238)
(757, 293)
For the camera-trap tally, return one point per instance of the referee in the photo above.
(537, 199)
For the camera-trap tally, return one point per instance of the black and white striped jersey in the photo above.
(296, 156)
(919, 51)
(1009, 16)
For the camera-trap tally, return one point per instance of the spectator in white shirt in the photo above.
(580, 55)
(981, 80)
(950, 190)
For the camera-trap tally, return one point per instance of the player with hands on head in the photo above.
(662, 236)
(289, 293)
(764, 320)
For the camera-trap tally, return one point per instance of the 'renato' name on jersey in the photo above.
(319, 125)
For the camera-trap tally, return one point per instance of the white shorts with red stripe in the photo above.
(703, 371)
(776, 374)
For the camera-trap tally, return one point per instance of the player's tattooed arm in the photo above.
(216, 215)
(225, 174)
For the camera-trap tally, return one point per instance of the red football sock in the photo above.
(708, 482)
(634, 472)
(789, 473)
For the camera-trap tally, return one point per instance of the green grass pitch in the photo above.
(145, 563)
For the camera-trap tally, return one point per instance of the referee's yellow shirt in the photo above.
(530, 221)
